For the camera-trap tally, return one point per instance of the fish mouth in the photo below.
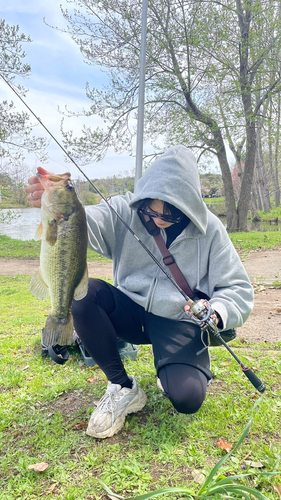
(49, 181)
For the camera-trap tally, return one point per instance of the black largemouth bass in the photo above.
(63, 273)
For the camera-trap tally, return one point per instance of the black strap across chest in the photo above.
(169, 261)
(168, 258)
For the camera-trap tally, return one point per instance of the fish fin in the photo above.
(82, 289)
(58, 331)
(38, 287)
(52, 232)
(39, 232)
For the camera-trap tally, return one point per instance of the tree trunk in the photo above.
(217, 143)
(254, 208)
(275, 179)
(246, 186)
(230, 206)
(260, 175)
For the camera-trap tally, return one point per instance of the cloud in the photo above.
(58, 79)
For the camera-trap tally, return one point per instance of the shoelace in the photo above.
(108, 403)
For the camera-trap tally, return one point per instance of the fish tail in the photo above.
(58, 331)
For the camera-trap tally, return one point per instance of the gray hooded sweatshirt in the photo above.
(203, 251)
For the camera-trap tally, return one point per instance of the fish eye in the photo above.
(69, 187)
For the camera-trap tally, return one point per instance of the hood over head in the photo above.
(174, 178)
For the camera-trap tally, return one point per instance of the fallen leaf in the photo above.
(226, 363)
(256, 465)
(198, 476)
(76, 427)
(52, 487)
(277, 487)
(224, 445)
(178, 452)
(243, 341)
(91, 380)
(40, 467)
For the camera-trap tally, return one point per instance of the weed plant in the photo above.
(44, 409)
(216, 484)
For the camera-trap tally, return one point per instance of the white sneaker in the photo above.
(114, 406)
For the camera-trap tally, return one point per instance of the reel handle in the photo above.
(200, 314)
(257, 383)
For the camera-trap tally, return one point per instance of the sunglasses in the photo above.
(165, 217)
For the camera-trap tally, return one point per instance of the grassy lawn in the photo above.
(30, 249)
(244, 242)
(45, 407)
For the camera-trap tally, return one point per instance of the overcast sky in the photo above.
(58, 78)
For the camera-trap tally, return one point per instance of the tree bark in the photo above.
(276, 184)
(260, 175)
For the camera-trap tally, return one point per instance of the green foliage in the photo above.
(244, 242)
(216, 485)
(215, 201)
(15, 127)
(8, 216)
(254, 240)
(13, 248)
(30, 249)
(275, 213)
(111, 186)
(44, 408)
(203, 89)
(211, 185)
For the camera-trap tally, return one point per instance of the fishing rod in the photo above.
(200, 312)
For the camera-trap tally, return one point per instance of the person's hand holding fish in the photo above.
(35, 189)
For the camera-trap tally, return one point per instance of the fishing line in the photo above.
(202, 315)
(107, 200)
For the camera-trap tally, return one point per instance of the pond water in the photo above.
(23, 225)
(258, 226)
(219, 209)
(26, 220)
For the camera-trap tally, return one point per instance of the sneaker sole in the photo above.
(136, 405)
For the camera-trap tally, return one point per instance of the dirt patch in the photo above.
(264, 324)
(263, 268)
(10, 267)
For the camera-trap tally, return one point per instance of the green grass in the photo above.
(275, 212)
(255, 240)
(30, 249)
(44, 408)
(214, 201)
(244, 242)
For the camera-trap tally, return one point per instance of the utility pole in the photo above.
(140, 123)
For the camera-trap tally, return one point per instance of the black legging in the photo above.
(106, 315)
